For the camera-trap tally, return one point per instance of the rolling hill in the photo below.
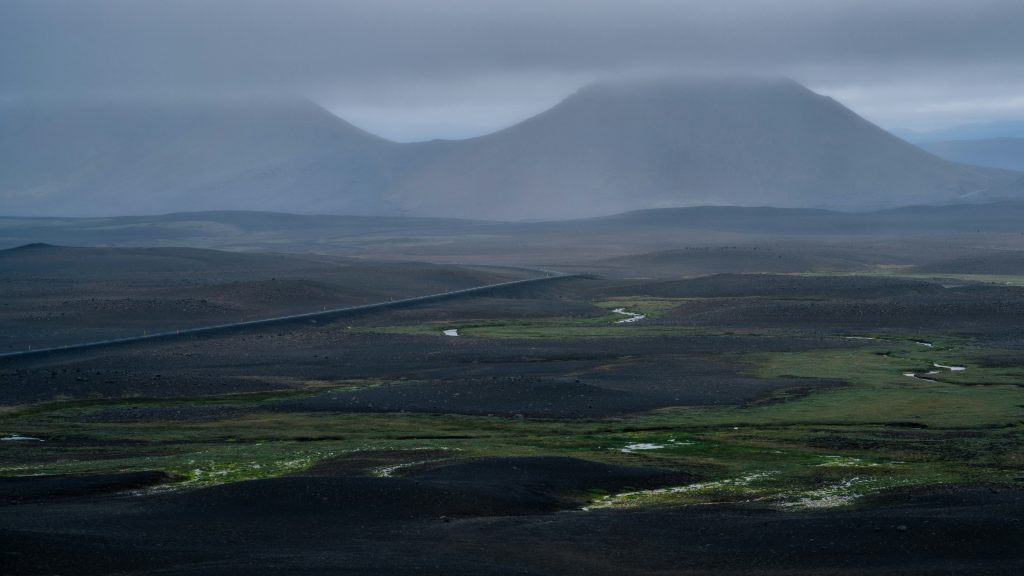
(439, 240)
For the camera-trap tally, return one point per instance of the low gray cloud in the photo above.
(473, 64)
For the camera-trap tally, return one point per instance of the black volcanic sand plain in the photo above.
(410, 525)
(59, 295)
(750, 423)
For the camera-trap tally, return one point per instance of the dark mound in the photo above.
(934, 536)
(106, 263)
(932, 532)
(28, 247)
(484, 487)
(28, 488)
(198, 413)
(493, 368)
(948, 496)
(484, 308)
(1009, 263)
(783, 286)
(706, 260)
(609, 391)
(505, 396)
(551, 475)
(352, 500)
(975, 310)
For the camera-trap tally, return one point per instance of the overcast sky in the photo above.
(418, 69)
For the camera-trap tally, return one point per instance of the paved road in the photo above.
(334, 312)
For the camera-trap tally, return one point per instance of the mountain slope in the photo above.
(608, 148)
(621, 146)
(1007, 153)
(131, 157)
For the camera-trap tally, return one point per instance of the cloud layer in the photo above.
(470, 64)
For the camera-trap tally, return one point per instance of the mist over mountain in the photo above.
(97, 157)
(621, 146)
(1007, 153)
(608, 148)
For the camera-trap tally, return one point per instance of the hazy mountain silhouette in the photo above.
(1005, 153)
(136, 157)
(608, 148)
(620, 146)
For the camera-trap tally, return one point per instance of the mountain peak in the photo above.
(670, 142)
(682, 90)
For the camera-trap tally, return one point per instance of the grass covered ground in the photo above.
(911, 408)
(794, 448)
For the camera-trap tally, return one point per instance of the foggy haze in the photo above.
(410, 70)
(614, 287)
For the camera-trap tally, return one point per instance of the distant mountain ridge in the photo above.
(242, 230)
(608, 148)
(1006, 153)
(976, 131)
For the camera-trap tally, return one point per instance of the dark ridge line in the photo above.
(334, 312)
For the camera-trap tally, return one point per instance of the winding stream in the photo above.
(934, 372)
(633, 316)
(19, 438)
